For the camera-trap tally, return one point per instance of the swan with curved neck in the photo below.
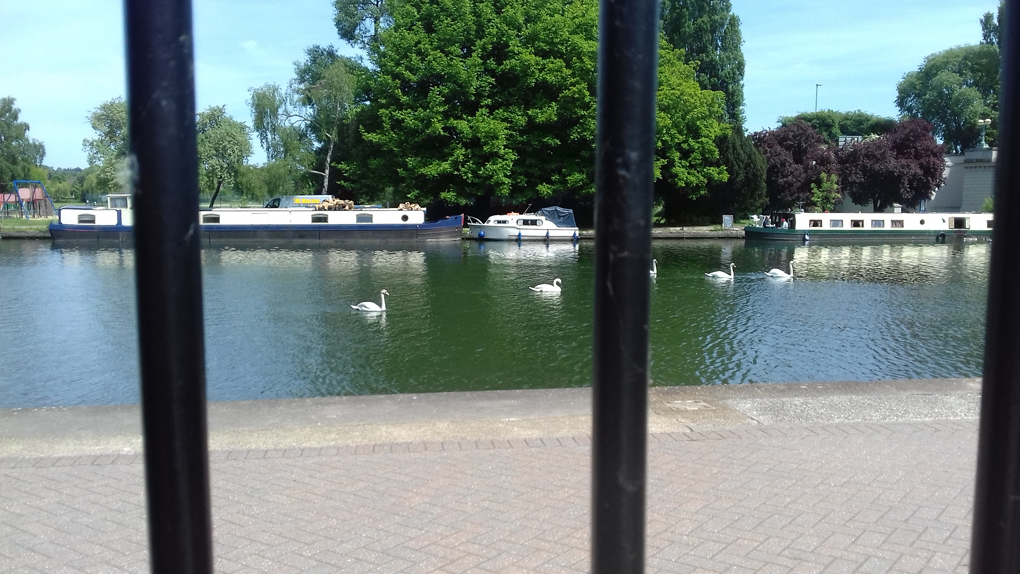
(722, 274)
(780, 274)
(547, 288)
(655, 270)
(370, 306)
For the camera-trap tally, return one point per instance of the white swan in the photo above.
(722, 274)
(780, 274)
(547, 288)
(370, 306)
(655, 270)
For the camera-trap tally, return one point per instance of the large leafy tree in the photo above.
(831, 124)
(495, 100)
(108, 151)
(479, 99)
(903, 166)
(744, 192)
(18, 152)
(709, 34)
(307, 127)
(991, 26)
(952, 90)
(360, 22)
(223, 147)
(796, 156)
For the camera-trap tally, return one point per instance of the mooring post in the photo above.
(164, 179)
(995, 545)
(625, 151)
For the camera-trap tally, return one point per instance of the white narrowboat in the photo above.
(877, 226)
(115, 221)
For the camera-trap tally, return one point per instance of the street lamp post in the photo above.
(816, 96)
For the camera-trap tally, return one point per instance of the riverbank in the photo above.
(707, 232)
(819, 477)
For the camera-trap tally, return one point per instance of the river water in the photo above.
(278, 321)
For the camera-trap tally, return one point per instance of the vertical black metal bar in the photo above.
(161, 115)
(625, 150)
(995, 545)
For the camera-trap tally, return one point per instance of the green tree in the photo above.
(108, 151)
(18, 152)
(709, 34)
(360, 22)
(831, 124)
(324, 97)
(744, 192)
(952, 90)
(223, 147)
(495, 101)
(825, 194)
(991, 26)
(687, 127)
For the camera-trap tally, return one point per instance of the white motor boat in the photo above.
(547, 224)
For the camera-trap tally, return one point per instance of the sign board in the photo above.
(727, 221)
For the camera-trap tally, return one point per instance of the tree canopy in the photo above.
(795, 157)
(831, 124)
(109, 149)
(709, 34)
(223, 147)
(18, 152)
(903, 166)
(952, 90)
(496, 100)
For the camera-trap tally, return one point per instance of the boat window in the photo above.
(922, 222)
(898, 223)
(528, 222)
(403, 217)
(835, 223)
(989, 222)
(814, 223)
(502, 221)
(959, 223)
(363, 218)
(86, 218)
(210, 218)
(856, 223)
(320, 218)
(120, 202)
(878, 223)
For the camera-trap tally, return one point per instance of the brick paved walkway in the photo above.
(795, 498)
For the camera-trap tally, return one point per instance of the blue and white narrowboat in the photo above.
(869, 226)
(115, 221)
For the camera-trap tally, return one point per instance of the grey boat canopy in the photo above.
(560, 216)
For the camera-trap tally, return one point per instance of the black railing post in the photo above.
(625, 150)
(164, 169)
(995, 545)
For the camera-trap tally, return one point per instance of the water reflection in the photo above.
(278, 321)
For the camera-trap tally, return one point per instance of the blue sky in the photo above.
(62, 58)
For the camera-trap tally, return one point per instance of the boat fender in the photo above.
(940, 238)
(807, 237)
(518, 236)
(547, 235)
(575, 236)
(481, 235)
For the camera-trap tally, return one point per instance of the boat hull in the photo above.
(512, 233)
(449, 229)
(816, 235)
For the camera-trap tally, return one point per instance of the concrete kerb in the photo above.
(476, 420)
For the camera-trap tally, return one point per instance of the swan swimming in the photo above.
(780, 274)
(370, 306)
(547, 288)
(655, 270)
(722, 274)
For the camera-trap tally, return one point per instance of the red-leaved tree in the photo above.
(903, 166)
(796, 156)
